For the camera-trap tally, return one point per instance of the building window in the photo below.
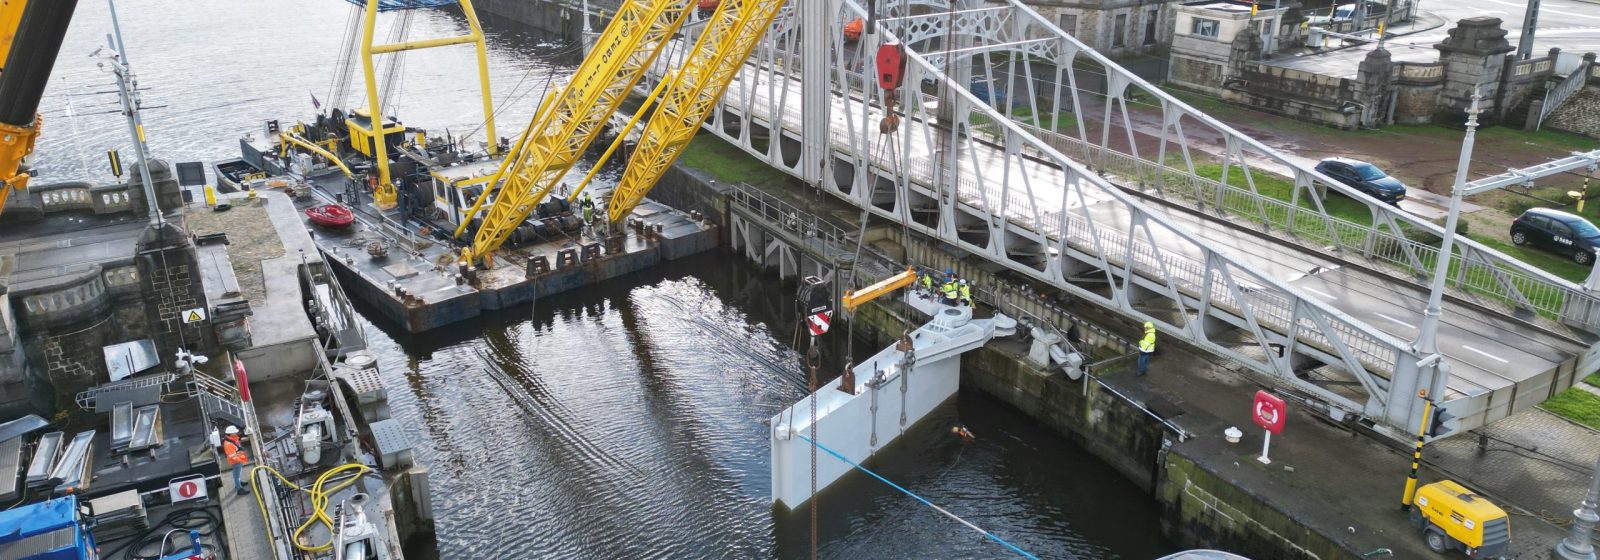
(1205, 27)
(1150, 26)
(1119, 30)
(1069, 24)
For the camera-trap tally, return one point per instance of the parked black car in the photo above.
(1557, 231)
(1365, 177)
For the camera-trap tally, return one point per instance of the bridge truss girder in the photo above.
(1008, 191)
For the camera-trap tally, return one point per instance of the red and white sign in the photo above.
(188, 488)
(1269, 412)
(818, 323)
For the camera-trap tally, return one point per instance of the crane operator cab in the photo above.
(1452, 517)
(456, 187)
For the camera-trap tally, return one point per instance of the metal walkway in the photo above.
(1321, 307)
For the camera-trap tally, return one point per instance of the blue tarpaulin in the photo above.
(392, 5)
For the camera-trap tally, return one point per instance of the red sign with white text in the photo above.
(1269, 412)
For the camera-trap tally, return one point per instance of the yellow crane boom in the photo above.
(31, 32)
(286, 139)
(735, 29)
(554, 141)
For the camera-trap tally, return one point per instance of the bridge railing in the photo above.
(1475, 275)
(1115, 143)
(1021, 202)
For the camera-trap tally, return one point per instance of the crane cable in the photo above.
(320, 496)
(903, 490)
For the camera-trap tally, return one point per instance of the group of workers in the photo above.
(950, 290)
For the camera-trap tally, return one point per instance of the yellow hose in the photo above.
(319, 500)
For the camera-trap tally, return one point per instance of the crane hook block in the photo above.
(891, 65)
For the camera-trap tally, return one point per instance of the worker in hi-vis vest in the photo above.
(1147, 346)
(966, 293)
(949, 292)
(233, 450)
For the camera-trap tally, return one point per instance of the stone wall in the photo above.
(1293, 93)
(1521, 83)
(1416, 88)
(170, 285)
(1580, 113)
(1473, 56)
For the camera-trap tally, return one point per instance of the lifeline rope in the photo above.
(991, 536)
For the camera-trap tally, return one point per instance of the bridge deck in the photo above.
(1489, 352)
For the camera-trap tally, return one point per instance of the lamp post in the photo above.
(1427, 336)
(1577, 545)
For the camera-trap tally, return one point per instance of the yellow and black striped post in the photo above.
(1416, 457)
(116, 163)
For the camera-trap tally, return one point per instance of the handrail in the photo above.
(1554, 97)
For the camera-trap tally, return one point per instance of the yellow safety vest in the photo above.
(1148, 343)
(949, 290)
(966, 292)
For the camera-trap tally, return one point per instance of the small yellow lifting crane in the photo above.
(853, 299)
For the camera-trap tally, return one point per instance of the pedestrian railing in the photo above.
(1554, 97)
(808, 226)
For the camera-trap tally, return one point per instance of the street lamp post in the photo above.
(1577, 545)
(1427, 336)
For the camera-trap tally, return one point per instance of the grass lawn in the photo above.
(728, 163)
(1593, 379)
(1577, 405)
(1282, 188)
(1555, 142)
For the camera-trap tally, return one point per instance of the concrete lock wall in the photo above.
(558, 17)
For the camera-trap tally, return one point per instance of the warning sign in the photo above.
(187, 488)
(818, 323)
(195, 315)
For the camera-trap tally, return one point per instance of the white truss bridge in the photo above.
(1322, 307)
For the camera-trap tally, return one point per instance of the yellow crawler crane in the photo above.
(730, 36)
(568, 122)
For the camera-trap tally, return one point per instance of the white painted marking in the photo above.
(1585, 16)
(1319, 292)
(1487, 355)
(1407, 325)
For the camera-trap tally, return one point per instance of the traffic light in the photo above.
(1443, 422)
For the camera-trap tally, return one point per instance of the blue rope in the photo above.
(991, 536)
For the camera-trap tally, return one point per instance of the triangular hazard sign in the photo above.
(194, 317)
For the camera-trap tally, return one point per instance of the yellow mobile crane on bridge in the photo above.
(567, 122)
(30, 37)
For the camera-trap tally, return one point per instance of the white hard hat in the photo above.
(232, 430)
(963, 281)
